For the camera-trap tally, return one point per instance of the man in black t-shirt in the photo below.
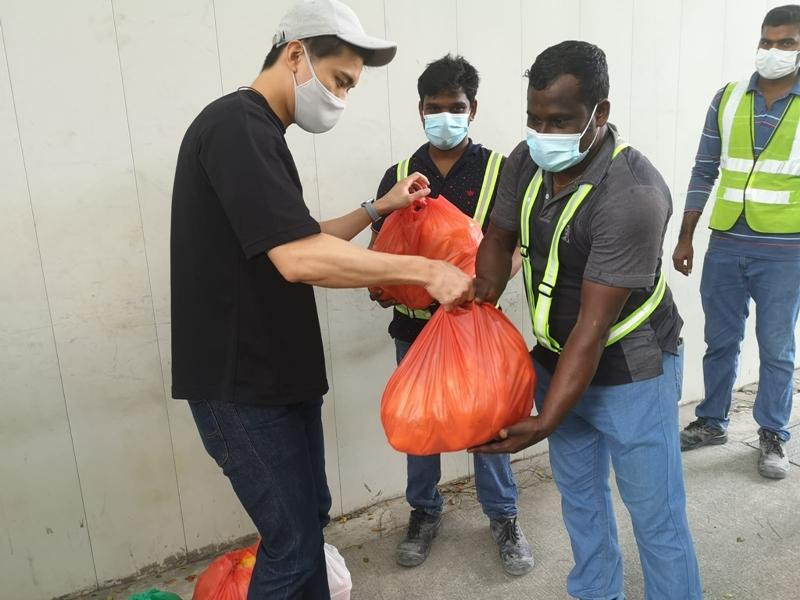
(466, 173)
(246, 345)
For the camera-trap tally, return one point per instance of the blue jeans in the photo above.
(635, 428)
(494, 481)
(274, 458)
(728, 284)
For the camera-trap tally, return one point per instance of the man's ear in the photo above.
(473, 109)
(421, 115)
(293, 56)
(603, 110)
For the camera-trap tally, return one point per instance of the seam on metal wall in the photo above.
(149, 278)
(49, 308)
(671, 272)
(630, 75)
(216, 38)
(458, 45)
(388, 84)
(331, 385)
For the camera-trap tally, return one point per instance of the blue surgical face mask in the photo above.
(446, 130)
(556, 152)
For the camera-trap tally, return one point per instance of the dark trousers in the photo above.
(274, 458)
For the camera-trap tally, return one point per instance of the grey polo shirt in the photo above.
(615, 239)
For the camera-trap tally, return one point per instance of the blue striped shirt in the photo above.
(740, 239)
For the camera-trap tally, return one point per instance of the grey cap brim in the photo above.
(383, 51)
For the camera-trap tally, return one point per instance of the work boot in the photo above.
(700, 433)
(515, 551)
(773, 462)
(416, 546)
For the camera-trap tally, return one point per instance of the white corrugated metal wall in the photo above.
(101, 473)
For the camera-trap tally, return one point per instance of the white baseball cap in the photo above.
(312, 18)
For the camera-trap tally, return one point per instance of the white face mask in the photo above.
(774, 63)
(316, 108)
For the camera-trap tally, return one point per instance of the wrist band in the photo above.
(369, 206)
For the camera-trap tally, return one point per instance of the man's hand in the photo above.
(403, 193)
(376, 294)
(521, 435)
(683, 256)
(449, 285)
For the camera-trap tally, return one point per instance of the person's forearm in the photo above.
(494, 263)
(516, 263)
(327, 261)
(350, 225)
(347, 226)
(688, 225)
(577, 366)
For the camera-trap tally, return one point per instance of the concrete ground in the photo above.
(746, 531)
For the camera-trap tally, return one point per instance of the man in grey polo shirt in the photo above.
(608, 357)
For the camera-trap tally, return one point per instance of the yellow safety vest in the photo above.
(540, 306)
(490, 176)
(767, 190)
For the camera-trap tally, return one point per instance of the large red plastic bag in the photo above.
(339, 581)
(228, 577)
(466, 377)
(432, 228)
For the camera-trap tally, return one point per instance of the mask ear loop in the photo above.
(585, 129)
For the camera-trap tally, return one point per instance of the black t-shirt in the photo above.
(240, 331)
(461, 187)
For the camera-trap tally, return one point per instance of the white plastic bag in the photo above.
(339, 580)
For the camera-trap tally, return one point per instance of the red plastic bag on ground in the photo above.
(432, 228)
(466, 377)
(228, 577)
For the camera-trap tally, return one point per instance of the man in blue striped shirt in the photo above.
(749, 256)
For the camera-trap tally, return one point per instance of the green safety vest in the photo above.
(767, 190)
(481, 211)
(540, 307)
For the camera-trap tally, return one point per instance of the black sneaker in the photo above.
(699, 433)
(416, 546)
(515, 551)
(772, 462)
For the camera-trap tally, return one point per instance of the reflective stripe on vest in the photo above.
(767, 190)
(540, 308)
(490, 176)
(487, 187)
(423, 314)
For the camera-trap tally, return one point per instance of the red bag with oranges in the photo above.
(435, 229)
(466, 377)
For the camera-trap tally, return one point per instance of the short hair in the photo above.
(782, 15)
(318, 47)
(449, 74)
(585, 61)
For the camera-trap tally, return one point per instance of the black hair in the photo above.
(449, 74)
(583, 60)
(320, 46)
(782, 15)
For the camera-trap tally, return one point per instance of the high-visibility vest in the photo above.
(767, 190)
(540, 304)
(490, 176)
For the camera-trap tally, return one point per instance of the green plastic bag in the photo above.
(155, 594)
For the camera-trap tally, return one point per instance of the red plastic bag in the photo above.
(466, 377)
(228, 577)
(432, 228)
